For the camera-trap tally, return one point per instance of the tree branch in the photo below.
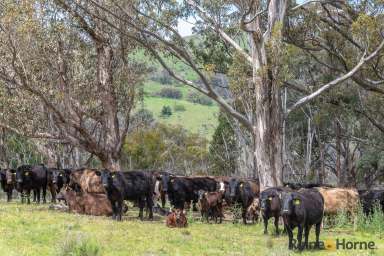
(337, 81)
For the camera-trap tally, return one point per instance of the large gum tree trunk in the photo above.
(268, 136)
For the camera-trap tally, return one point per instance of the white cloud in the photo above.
(184, 27)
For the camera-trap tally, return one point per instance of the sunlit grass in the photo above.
(35, 230)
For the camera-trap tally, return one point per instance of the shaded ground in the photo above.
(35, 230)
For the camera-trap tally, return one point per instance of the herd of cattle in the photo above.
(102, 192)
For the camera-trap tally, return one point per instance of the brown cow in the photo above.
(96, 204)
(211, 205)
(176, 219)
(87, 179)
(340, 200)
(254, 210)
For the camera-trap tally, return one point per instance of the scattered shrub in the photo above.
(179, 107)
(166, 111)
(199, 98)
(171, 93)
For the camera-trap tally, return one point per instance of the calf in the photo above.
(243, 191)
(253, 210)
(8, 181)
(176, 219)
(270, 204)
(96, 204)
(302, 209)
(31, 178)
(137, 186)
(211, 205)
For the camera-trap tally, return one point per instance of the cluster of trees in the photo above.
(305, 78)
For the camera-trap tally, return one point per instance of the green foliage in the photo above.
(223, 149)
(198, 98)
(166, 111)
(165, 146)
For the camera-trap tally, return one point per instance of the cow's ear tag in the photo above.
(172, 180)
(270, 198)
(296, 201)
(27, 173)
(60, 174)
(241, 185)
(113, 175)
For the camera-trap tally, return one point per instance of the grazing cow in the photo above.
(368, 200)
(135, 186)
(96, 204)
(8, 181)
(339, 199)
(253, 210)
(270, 201)
(302, 209)
(31, 178)
(176, 219)
(211, 205)
(243, 191)
(86, 180)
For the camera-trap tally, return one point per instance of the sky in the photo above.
(184, 28)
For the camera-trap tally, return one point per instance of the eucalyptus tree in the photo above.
(65, 76)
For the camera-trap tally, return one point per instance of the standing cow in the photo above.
(136, 186)
(270, 204)
(243, 191)
(302, 209)
(31, 178)
(8, 181)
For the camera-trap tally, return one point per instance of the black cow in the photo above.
(302, 209)
(368, 199)
(8, 181)
(243, 191)
(33, 178)
(183, 190)
(270, 205)
(135, 186)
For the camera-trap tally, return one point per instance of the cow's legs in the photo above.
(141, 206)
(318, 226)
(119, 209)
(277, 224)
(150, 207)
(44, 194)
(34, 196)
(38, 195)
(265, 219)
(162, 196)
(28, 195)
(290, 237)
(53, 194)
(9, 195)
(244, 215)
(299, 236)
(306, 234)
(114, 210)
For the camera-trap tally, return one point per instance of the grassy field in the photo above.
(35, 230)
(196, 118)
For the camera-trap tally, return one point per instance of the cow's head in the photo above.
(270, 201)
(234, 185)
(291, 200)
(106, 178)
(165, 179)
(23, 176)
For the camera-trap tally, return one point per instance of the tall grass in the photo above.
(78, 245)
(372, 223)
